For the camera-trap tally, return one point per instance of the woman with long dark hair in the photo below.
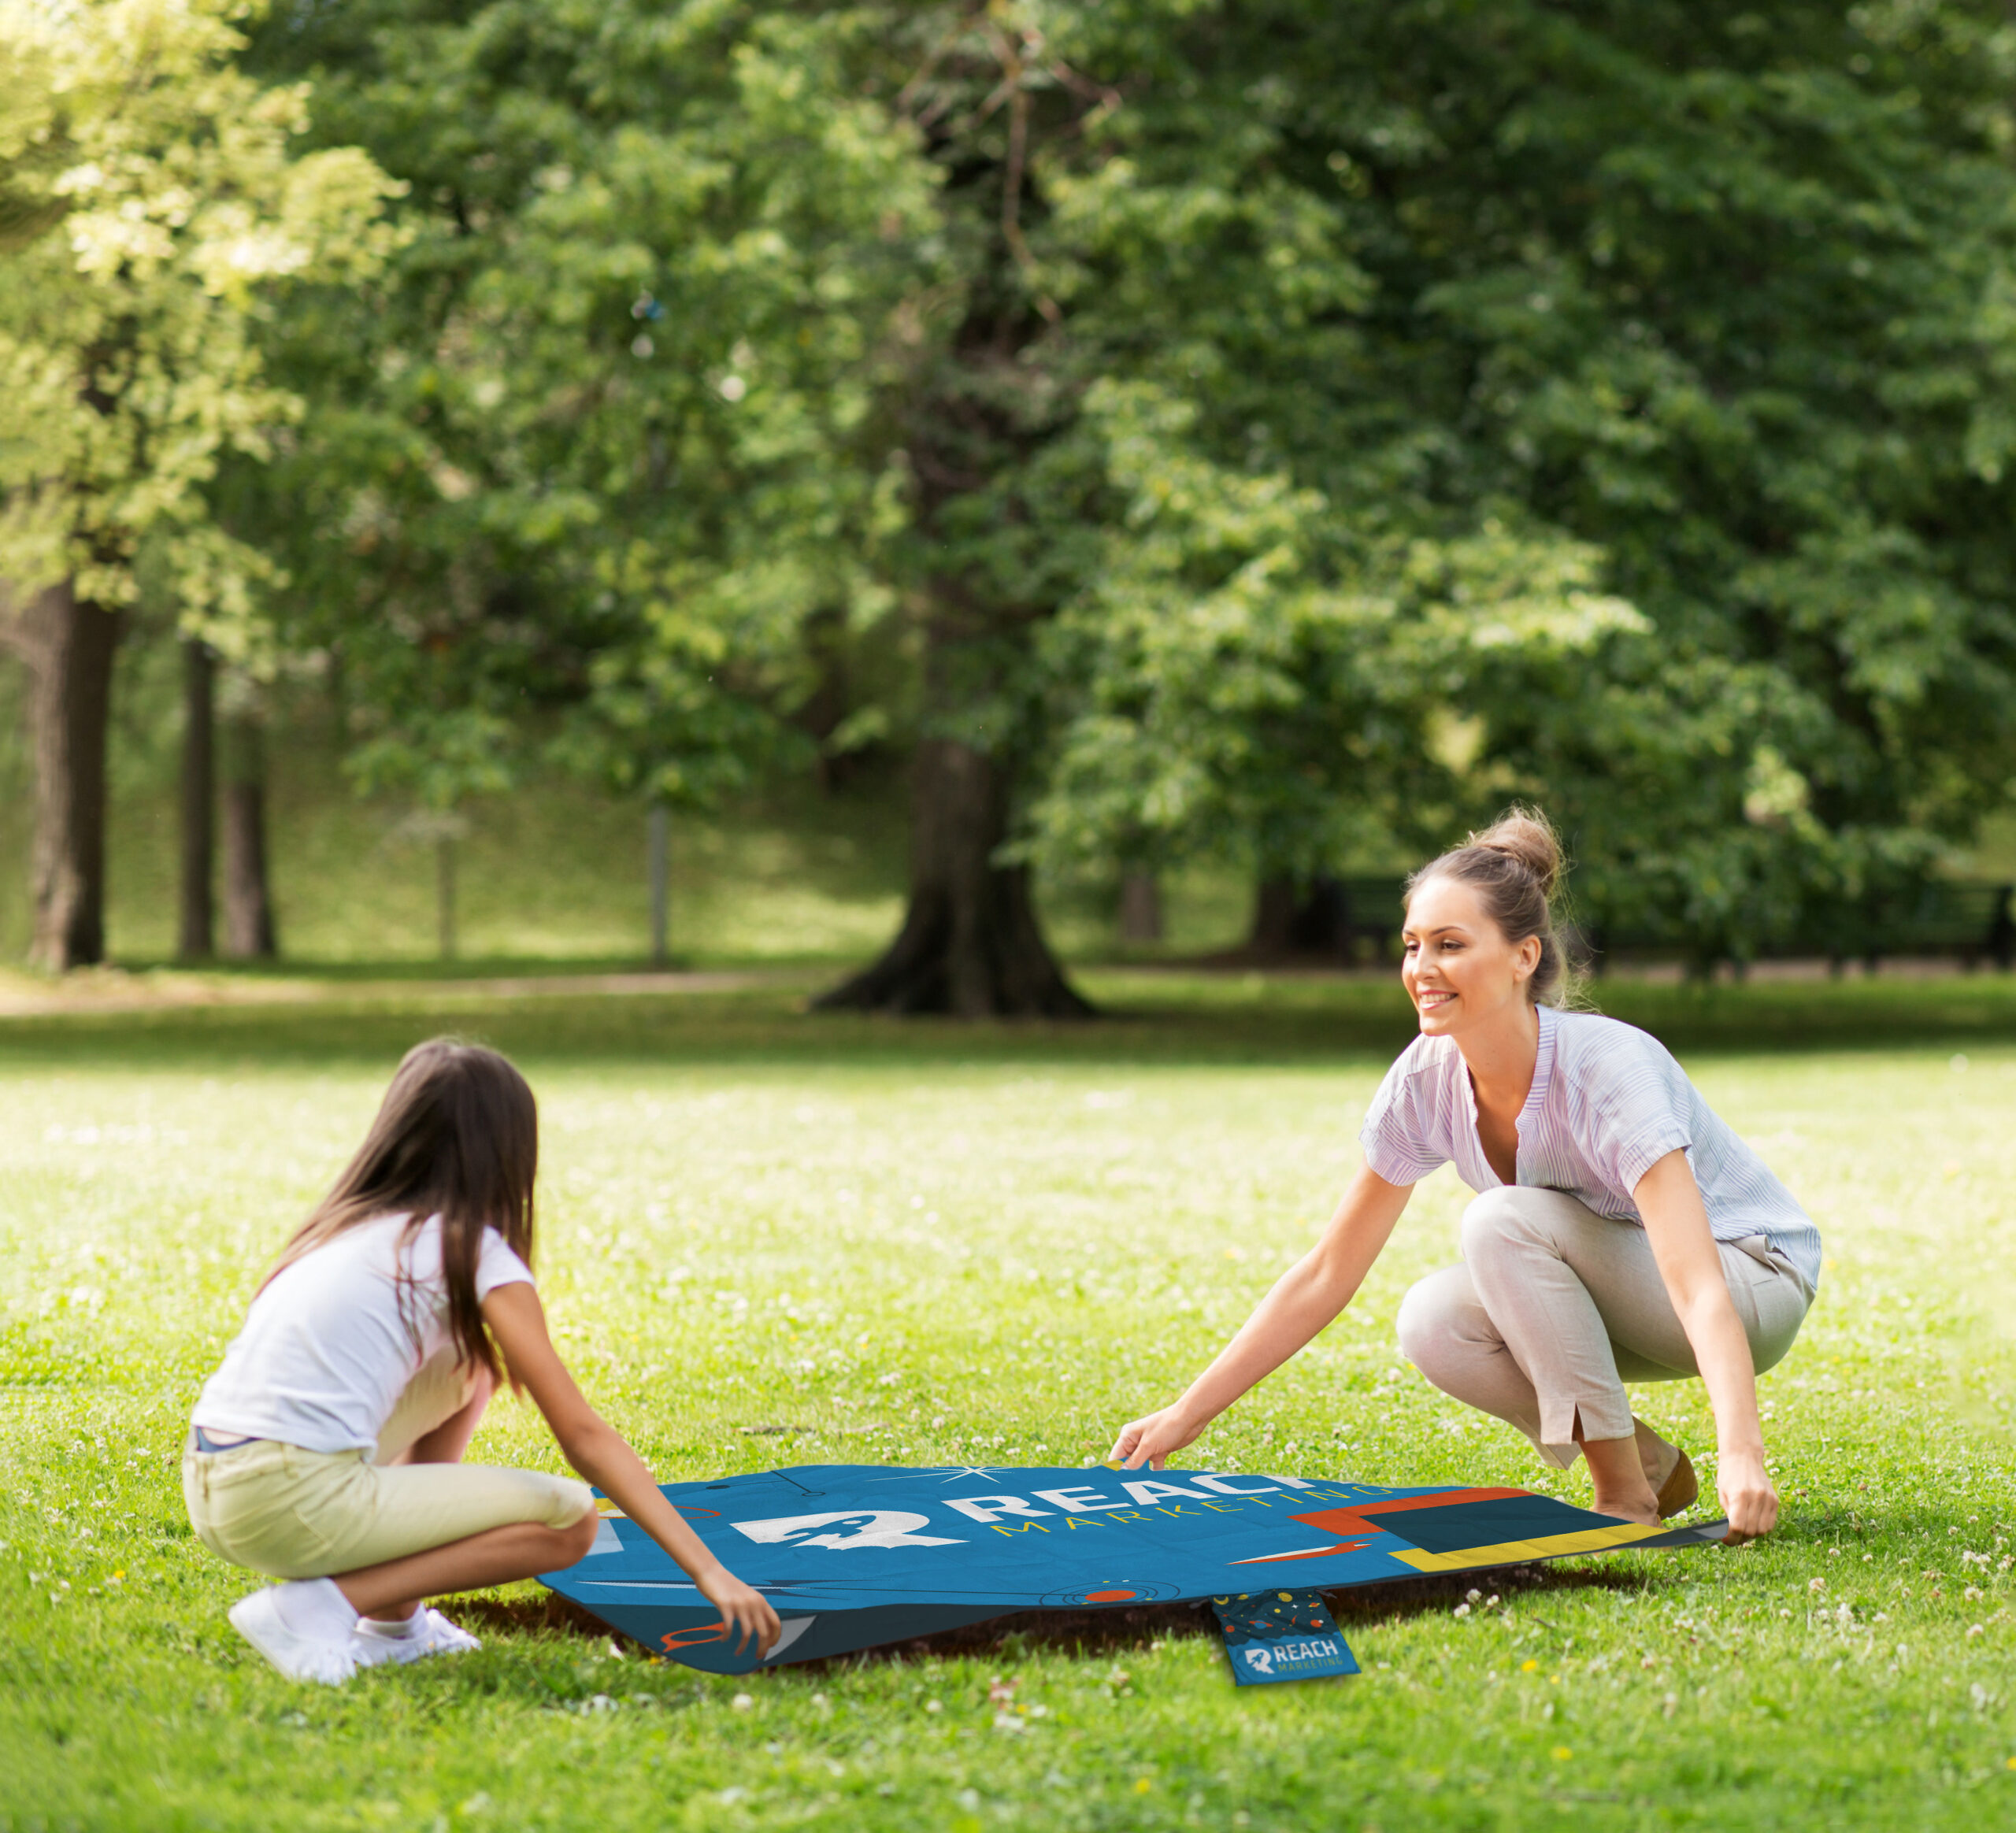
(326, 1451)
(1621, 1231)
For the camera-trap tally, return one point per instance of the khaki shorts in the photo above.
(299, 1514)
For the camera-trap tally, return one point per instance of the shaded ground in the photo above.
(112, 991)
(1147, 1014)
(1085, 1634)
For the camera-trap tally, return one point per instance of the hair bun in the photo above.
(1525, 835)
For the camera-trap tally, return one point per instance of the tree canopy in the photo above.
(1641, 409)
(605, 448)
(149, 192)
(1275, 432)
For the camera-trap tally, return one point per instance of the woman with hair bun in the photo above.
(1621, 1231)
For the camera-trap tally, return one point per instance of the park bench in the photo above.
(1943, 916)
(1968, 921)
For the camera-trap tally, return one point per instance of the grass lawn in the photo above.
(929, 1243)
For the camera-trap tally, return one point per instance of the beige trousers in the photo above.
(299, 1514)
(1555, 1307)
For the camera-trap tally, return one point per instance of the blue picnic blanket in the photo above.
(852, 1556)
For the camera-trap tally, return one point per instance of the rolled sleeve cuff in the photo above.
(1641, 1154)
(1384, 1159)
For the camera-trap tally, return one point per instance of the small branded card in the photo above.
(1281, 1635)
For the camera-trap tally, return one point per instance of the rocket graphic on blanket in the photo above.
(852, 1556)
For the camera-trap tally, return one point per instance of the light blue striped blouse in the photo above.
(1608, 1102)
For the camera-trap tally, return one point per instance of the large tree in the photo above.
(1277, 430)
(720, 326)
(1684, 327)
(150, 198)
(1153, 442)
(706, 340)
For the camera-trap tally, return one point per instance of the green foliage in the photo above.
(597, 450)
(1705, 312)
(1249, 677)
(1275, 434)
(152, 205)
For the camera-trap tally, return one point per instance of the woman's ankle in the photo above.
(1645, 1513)
(1619, 1481)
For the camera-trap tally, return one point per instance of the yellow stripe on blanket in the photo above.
(1513, 1552)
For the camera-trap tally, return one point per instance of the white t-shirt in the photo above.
(325, 1353)
(1608, 1102)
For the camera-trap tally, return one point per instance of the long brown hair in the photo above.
(456, 1136)
(1514, 866)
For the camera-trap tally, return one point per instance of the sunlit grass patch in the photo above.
(1004, 1245)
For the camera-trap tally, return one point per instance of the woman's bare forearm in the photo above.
(1684, 1245)
(1721, 1352)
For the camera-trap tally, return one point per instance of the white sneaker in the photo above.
(432, 1634)
(327, 1659)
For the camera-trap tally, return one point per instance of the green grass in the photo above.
(916, 1239)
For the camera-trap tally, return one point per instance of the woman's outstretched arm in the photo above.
(1305, 1298)
(1684, 1246)
(603, 1456)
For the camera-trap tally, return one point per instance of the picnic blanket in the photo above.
(853, 1556)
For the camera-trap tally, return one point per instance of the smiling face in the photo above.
(1461, 971)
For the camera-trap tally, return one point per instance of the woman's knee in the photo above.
(1428, 1315)
(1495, 1221)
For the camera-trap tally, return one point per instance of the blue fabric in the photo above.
(854, 1555)
(1273, 1636)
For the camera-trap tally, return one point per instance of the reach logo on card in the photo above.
(1273, 1636)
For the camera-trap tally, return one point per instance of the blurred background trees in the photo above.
(1259, 438)
(150, 202)
(1652, 447)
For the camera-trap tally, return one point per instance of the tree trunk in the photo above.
(1141, 907)
(1298, 918)
(196, 932)
(661, 875)
(1274, 916)
(249, 929)
(444, 893)
(69, 645)
(970, 944)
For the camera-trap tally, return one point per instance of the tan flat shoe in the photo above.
(1677, 1489)
(1680, 1487)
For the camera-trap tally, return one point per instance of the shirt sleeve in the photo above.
(497, 1265)
(1646, 1111)
(1396, 1144)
